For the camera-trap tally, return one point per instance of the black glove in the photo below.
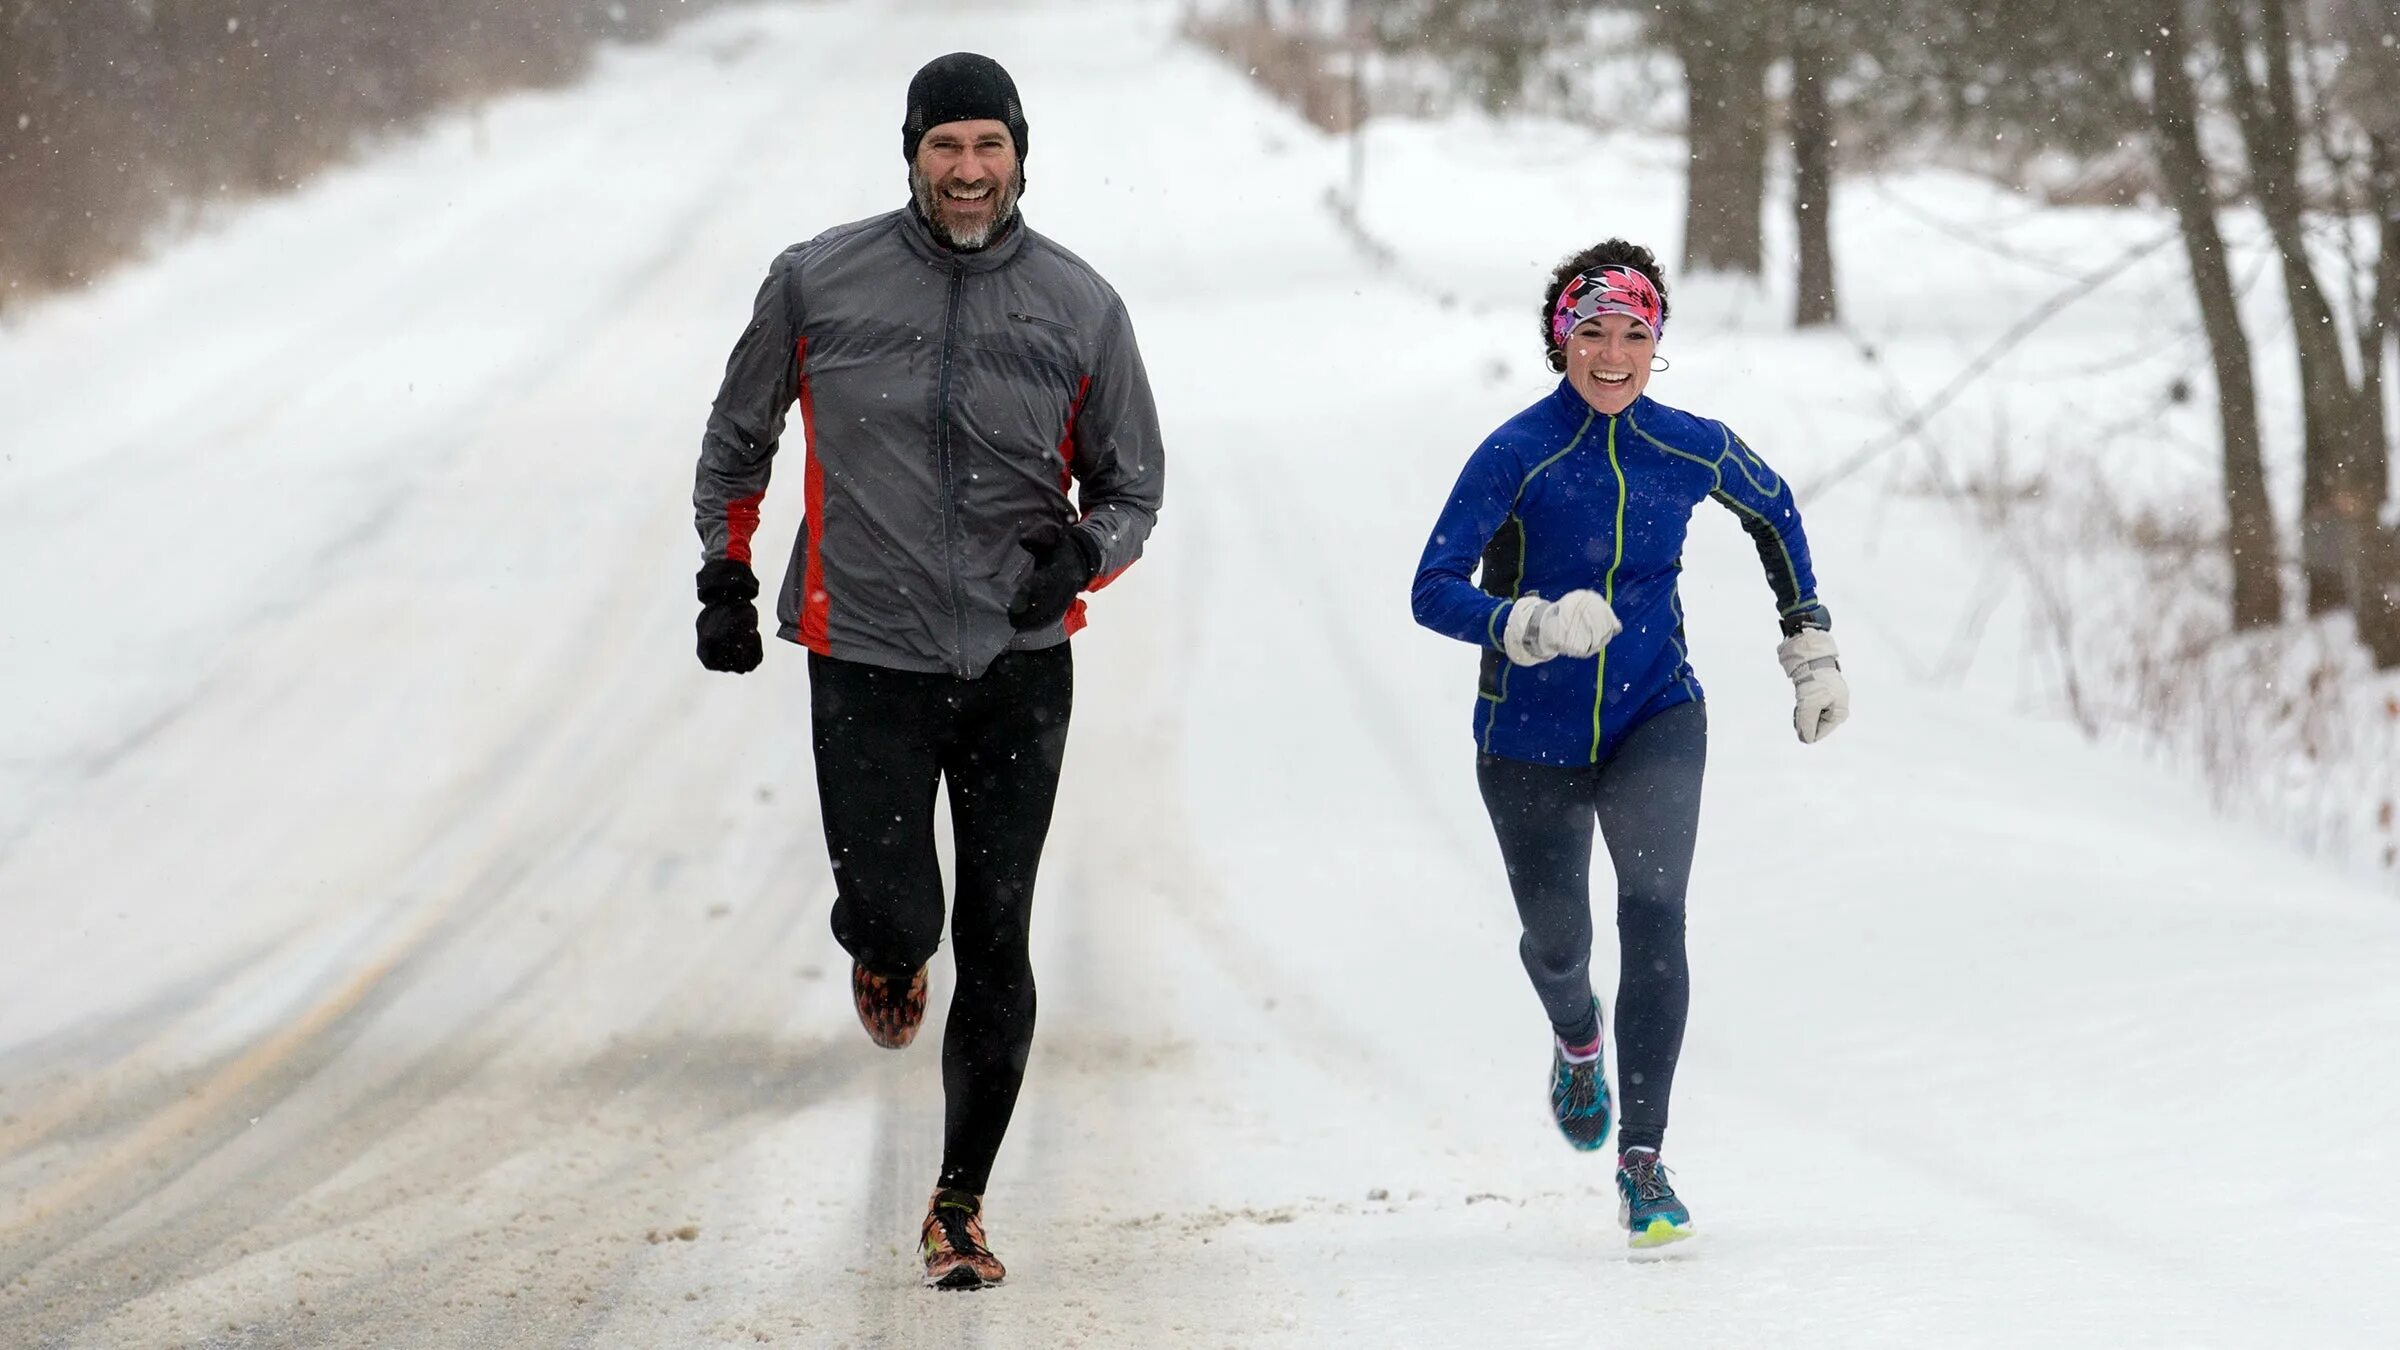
(728, 622)
(1064, 562)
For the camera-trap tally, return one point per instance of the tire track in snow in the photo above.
(503, 826)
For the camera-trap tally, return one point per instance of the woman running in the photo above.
(1588, 711)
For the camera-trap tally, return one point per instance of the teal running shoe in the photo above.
(1578, 1099)
(1654, 1219)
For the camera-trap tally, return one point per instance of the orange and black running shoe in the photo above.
(955, 1255)
(890, 1007)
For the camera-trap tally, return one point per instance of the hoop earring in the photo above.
(1660, 363)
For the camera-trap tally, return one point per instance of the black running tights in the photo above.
(885, 740)
(1646, 800)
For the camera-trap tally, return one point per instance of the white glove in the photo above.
(1822, 696)
(1578, 623)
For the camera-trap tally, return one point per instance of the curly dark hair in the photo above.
(1607, 253)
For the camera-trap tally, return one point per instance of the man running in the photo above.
(958, 375)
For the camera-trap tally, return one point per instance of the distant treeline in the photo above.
(120, 116)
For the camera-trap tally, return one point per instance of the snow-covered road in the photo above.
(404, 943)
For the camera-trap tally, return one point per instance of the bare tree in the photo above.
(2055, 77)
(2271, 134)
(2347, 555)
(1813, 65)
(2175, 135)
(2356, 107)
(1726, 47)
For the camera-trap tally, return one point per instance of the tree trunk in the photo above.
(2379, 602)
(2250, 525)
(2371, 65)
(2332, 502)
(1725, 72)
(2381, 323)
(1812, 170)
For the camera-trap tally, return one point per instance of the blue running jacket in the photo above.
(1565, 497)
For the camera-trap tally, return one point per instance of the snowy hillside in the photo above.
(404, 943)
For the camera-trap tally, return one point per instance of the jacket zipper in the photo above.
(1608, 589)
(958, 640)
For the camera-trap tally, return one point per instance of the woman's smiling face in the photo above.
(1608, 360)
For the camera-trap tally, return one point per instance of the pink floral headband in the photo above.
(1607, 290)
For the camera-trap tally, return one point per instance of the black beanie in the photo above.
(960, 87)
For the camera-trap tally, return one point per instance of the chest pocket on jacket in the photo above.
(1017, 382)
(1030, 339)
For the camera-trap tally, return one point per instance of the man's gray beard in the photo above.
(929, 205)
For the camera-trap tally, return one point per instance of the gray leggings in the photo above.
(1645, 798)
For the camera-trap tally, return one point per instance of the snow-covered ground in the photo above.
(403, 942)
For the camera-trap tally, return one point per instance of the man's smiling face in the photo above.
(966, 181)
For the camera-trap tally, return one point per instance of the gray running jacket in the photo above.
(950, 401)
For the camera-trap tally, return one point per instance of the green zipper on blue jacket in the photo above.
(1609, 587)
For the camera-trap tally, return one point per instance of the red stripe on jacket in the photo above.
(741, 522)
(1066, 483)
(1066, 439)
(815, 604)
